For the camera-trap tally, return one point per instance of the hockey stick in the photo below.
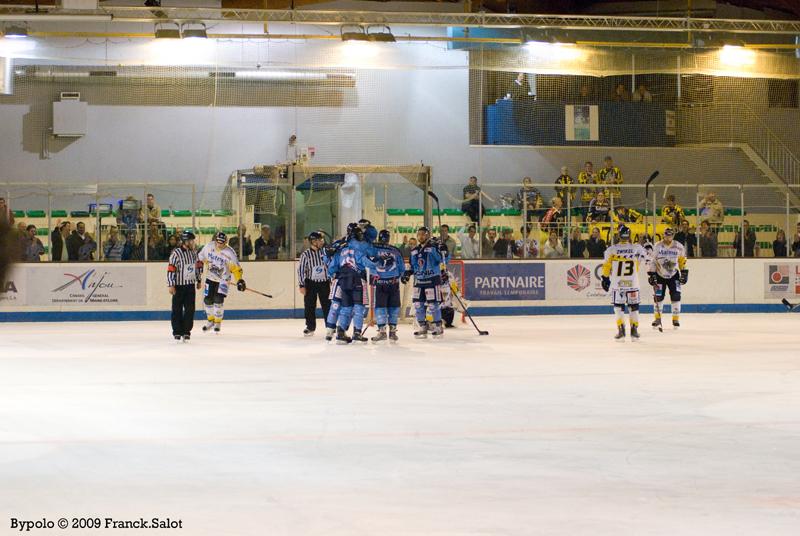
(466, 310)
(259, 293)
(789, 306)
(438, 210)
(371, 294)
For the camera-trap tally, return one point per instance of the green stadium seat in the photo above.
(79, 214)
(203, 213)
(18, 213)
(395, 211)
(182, 213)
(58, 213)
(223, 213)
(230, 230)
(208, 230)
(165, 213)
(414, 212)
(42, 231)
(453, 212)
(36, 214)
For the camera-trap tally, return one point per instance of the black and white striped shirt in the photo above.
(183, 267)
(311, 267)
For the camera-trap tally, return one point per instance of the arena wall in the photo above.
(137, 291)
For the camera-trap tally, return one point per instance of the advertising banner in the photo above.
(82, 285)
(12, 290)
(495, 281)
(781, 280)
(580, 280)
(582, 123)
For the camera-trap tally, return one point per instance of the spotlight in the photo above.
(354, 33)
(383, 35)
(162, 32)
(194, 33)
(15, 32)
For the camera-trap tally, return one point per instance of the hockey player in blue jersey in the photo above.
(349, 266)
(329, 253)
(427, 261)
(388, 269)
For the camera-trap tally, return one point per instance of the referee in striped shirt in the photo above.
(312, 277)
(184, 273)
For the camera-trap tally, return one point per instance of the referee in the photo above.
(312, 277)
(183, 275)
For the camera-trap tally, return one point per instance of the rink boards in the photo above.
(137, 291)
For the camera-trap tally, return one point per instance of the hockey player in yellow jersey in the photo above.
(668, 271)
(222, 265)
(621, 279)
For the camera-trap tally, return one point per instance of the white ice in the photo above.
(546, 426)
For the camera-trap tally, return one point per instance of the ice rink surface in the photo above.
(545, 427)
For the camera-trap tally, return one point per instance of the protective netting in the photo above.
(206, 128)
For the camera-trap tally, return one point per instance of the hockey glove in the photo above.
(652, 279)
(445, 277)
(684, 276)
(606, 283)
(406, 276)
(443, 249)
(241, 286)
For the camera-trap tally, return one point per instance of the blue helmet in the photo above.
(624, 232)
(384, 236)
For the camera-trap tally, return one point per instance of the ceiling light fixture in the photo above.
(194, 33)
(15, 32)
(167, 32)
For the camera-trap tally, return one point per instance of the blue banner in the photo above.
(497, 281)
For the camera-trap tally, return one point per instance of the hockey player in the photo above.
(427, 260)
(330, 252)
(222, 265)
(668, 271)
(349, 267)
(388, 269)
(621, 278)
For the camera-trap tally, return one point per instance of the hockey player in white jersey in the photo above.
(668, 271)
(222, 266)
(621, 278)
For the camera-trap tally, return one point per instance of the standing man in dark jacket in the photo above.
(596, 246)
(184, 275)
(75, 241)
(58, 241)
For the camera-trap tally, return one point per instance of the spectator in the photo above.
(553, 220)
(562, 190)
(642, 94)
(247, 244)
(527, 246)
(114, 246)
(447, 240)
(76, 240)
(599, 209)
(672, 213)
(266, 246)
(620, 93)
(505, 248)
(407, 245)
(173, 242)
(712, 210)
(87, 248)
(708, 240)
(530, 199)
(128, 218)
(31, 247)
(519, 88)
(687, 237)
(577, 245)
(470, 245)
(585, 94)
(58, 241)
(796, 242)
(471, 204)
(596, 246)
(152, 210)
(292, 150)
(611, 175)
(6, 214)
(750, 245)
(779, 244)
(623, 214)
(488, 242)
(553, 248)
(586, 177)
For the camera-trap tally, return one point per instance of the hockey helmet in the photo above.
(364, 223)
(314, 235)
(384, 236)
(624, 232)
(354, 231)
(220, 238)
(186, 236)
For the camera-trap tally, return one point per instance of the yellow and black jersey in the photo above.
(585, 177)
(672, 215)
(562, 192)
(610, 176)
(621, 265)
(627, 216)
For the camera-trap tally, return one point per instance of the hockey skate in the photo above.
(422, 332)
(208, 325)
(657, 324)
(178, 338)
(438, 331)
(341, 337)
(308, 332)
(675, 323)
(186, 337)
(634, 333)
(329, 333)
(358, 337)
(393, 333)
(217, 327)
(620, 336)
(381, 336)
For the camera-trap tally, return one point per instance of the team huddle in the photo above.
(666, 270)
